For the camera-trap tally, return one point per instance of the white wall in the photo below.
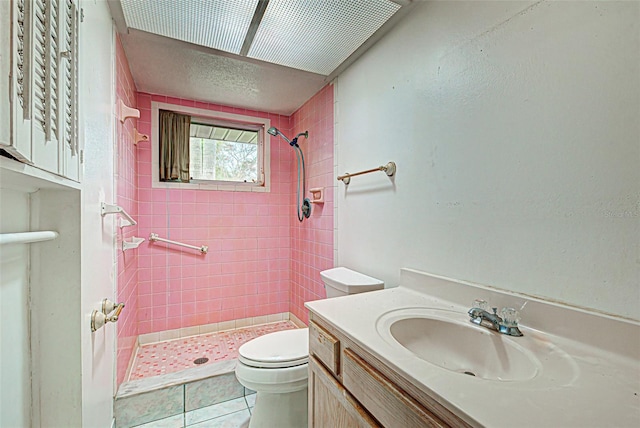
(15, 382)
(516, 130)
(55, 320)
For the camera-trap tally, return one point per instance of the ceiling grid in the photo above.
(317, 36)
(309, 35)
(217, 24)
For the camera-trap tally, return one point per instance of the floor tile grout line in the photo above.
(184, 414)
(217, 417)
(220, 415)
(184, 405)
(248, 406)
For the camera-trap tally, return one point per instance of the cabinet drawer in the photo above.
(325, 346)
(389, 404)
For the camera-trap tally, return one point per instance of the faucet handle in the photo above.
(510, 317)
(481, 304)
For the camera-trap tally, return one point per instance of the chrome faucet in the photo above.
(507, 324)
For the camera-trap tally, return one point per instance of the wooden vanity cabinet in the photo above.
(348, 387)
(330, 404)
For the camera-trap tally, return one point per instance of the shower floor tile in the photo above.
(171, 356)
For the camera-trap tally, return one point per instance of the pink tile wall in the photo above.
(312, 240)
(247, 269)
(126, 197)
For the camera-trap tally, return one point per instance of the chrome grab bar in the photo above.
(155, 238)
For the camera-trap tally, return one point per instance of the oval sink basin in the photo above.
(465, 349)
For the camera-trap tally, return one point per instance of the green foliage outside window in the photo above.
(223, 160)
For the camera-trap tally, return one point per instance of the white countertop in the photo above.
(581, 383)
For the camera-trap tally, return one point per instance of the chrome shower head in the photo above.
(275, 132)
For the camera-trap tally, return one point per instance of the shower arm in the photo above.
(294, 142)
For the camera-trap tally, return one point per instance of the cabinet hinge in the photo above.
(81, 156)
(81, 14)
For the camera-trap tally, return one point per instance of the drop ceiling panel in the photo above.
(217, 24)
(190, 48)
(317, 36)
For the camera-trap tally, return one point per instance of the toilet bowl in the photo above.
(276, 365)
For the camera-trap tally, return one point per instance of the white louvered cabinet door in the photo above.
(15, 118)
(5, 72)
(44, 85)
(68, 107)
(45, 96)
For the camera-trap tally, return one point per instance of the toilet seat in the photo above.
(287, 348)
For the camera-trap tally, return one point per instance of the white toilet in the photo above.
(276, 365)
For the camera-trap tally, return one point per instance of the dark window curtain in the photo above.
(174, 146)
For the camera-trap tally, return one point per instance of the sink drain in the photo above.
(200, 360)
(469, 373)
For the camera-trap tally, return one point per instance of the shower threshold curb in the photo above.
(194, 374)
(154, 398)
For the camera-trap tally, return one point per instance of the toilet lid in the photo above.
(285, 348)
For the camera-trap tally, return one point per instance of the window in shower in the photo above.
(226, 151)
(223, 153)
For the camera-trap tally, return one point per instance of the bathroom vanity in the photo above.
(410, 357)
(349, 387)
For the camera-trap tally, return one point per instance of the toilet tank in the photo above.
(341, 281)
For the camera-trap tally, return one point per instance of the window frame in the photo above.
(233, 125)
(253, 123)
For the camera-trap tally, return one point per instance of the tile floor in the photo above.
(155, 359)
(230, 414)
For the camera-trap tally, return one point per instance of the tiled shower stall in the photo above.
(261, 260)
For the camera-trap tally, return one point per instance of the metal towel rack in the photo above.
(155, 238)
(389, 168)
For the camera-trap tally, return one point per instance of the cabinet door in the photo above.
(330, 405)
(68, 121)
(43, 85)
(17, 22)
(386, 401)
(5, 73)
(46, 85)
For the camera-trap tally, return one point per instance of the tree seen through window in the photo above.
(227, 155)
